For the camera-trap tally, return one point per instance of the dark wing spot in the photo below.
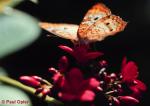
(108, 26)
(65, 28)
(107, 23)
(111, 29)
(96, 18)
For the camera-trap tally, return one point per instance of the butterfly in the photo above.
(97, 24)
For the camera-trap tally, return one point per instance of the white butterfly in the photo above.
(97, 24)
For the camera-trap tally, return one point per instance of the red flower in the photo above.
(74, 87)
(129, 71)
(63, 64)
(57, 77)
(129, 74)
(62, 68)
(81, 53)
(44, 89)
(138, 87)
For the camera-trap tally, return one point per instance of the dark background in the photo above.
(133, 42)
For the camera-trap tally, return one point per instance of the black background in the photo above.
(133, 42)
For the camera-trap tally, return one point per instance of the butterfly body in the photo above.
(97, 24)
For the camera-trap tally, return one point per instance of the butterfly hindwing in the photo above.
(104, 27)
(67, 31)
(97, 12)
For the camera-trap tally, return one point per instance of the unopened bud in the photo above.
(128, 100)
(116, 101)
(30, 81)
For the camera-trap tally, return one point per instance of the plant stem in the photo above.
(31, 90)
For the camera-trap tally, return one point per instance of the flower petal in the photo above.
(136, 93)
(124, 62)
(91, 83)
(87, 96)
(75, 77)
(59, 80)
(128, 100)
(45, 91)
(129, 72)
(140, 85)
(56, 77)
(116, 101)
(52, 70)
(93, 55)
(37, 78)
(67, 49)
(63, 64)
(67, 96)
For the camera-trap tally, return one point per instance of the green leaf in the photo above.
(34, 1)
(5, 3)
(17, 30)
(3, 72)
(11, 96)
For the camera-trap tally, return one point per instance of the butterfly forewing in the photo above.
(67, 31)
(97, 12)
(104, 27)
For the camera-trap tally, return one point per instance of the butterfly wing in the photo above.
(97, 12)
(67, 31)
(104, 27)
(99, 23)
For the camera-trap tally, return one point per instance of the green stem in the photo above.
(31, 90)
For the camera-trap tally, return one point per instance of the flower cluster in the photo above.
(71, 84)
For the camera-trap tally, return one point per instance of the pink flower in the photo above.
(44, 89)
(81, 53)
(74, 87)
(129, 74)
(138, 87)
(63, 64)
(57, 77)
(129, 71)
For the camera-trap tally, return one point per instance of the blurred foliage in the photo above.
(3, 72)
(5, 3)
(17, 29)
(11, 94)
(34, 1)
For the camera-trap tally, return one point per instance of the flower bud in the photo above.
(38, 90)
(52, 70)
(37, 78)
(63, 64)
(30, 81)
(103, 63)
(45, 91)
(113, 75)
(116, 101)
(67, 49)
(128, 100)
